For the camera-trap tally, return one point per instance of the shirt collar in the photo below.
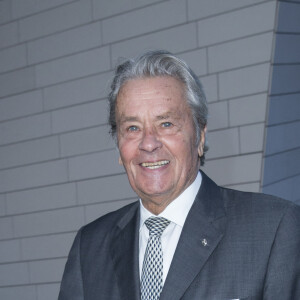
(179, 208)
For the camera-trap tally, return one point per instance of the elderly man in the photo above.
(186, 238)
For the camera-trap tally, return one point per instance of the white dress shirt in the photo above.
(176, 212)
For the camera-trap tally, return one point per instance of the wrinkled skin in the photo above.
(157, 139)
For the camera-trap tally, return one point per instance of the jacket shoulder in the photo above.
(109, 221)
(257, 204)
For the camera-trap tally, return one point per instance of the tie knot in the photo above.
(156, 225)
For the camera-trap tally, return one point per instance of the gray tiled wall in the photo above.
(282, 155)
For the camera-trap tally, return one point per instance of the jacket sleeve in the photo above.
(282, 279)
(72, 286)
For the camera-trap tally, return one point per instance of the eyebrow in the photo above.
(164, 116)
(125, 119)
(167, 115)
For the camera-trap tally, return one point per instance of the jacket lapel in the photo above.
(200, 235)
(124, 250)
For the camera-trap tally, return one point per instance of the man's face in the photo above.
(156, 139)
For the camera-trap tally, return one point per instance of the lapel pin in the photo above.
(204, 242)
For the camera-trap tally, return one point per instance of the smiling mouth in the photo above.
(155, 165)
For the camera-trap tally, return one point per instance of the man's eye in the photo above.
(133, 128)
(166, 124)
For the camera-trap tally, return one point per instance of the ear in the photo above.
(202, 142)
(120, 161)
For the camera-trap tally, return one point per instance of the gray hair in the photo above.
(161, 63)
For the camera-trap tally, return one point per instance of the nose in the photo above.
(150, 141)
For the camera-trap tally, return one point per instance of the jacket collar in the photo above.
(125, 253)
(202, 232)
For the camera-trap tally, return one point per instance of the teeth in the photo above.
(155, 165)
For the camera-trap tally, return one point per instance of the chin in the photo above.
(155, 195)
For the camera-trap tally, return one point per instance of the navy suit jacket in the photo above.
(234, 245)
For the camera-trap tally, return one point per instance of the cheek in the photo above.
(123, 150)
(127, 151)
(187, 152)
(182, 142)
(179, 148)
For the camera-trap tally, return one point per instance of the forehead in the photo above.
(162, 91)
